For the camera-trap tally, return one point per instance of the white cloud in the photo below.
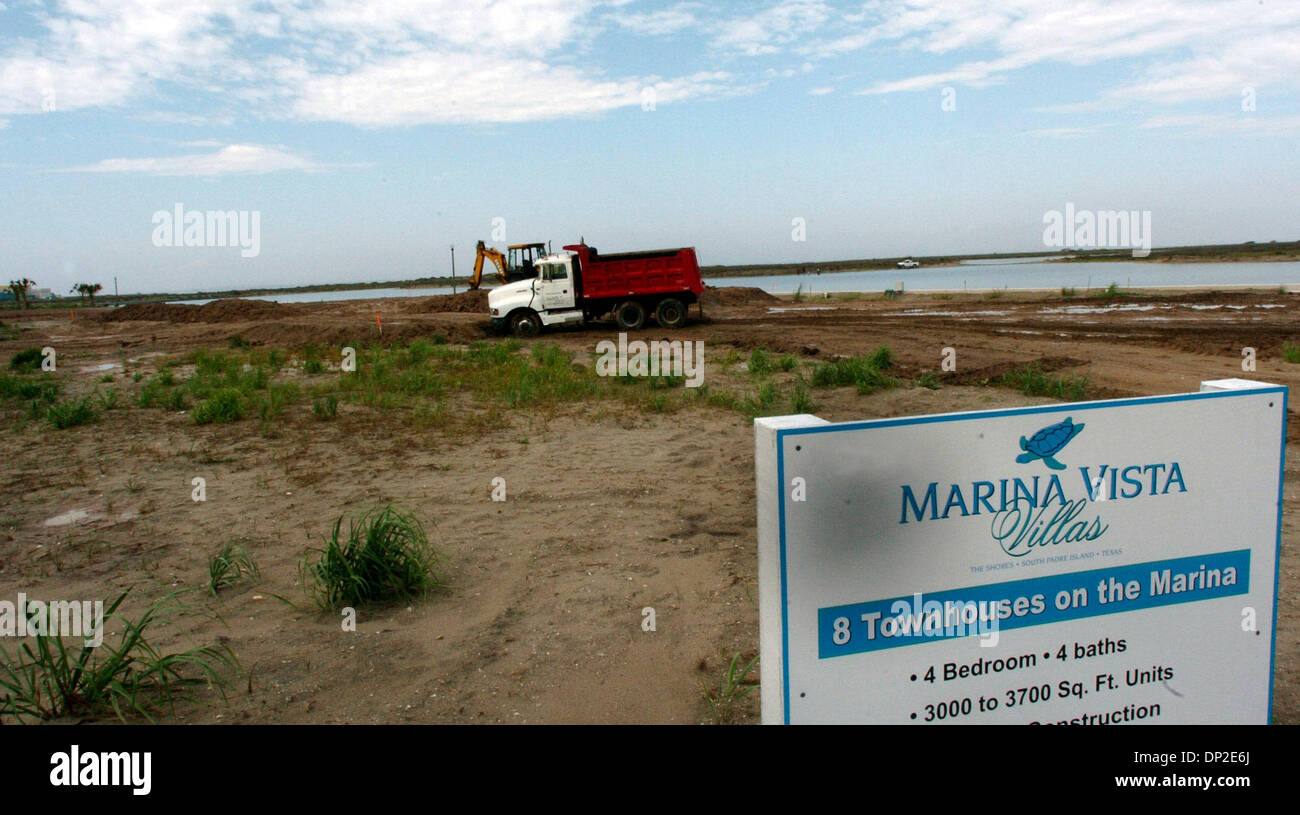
(231, 159)
(469, 87)
(1191, 49)
(820, 91)
(661, 22)
(446, 60)
(1244, 123)
(1062, 132)
(771, 29)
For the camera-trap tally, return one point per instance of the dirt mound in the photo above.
(466, 302)
(218, 311)
(736, 296)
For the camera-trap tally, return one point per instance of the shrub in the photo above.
(28, 359)
(226, 405)
(72, 413)
(382, 556)
(45, 390)
(325, 407)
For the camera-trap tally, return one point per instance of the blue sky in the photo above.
(369, 136)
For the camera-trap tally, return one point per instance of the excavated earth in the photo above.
(609, 512)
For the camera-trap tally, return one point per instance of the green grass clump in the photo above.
(383, 555)
(238, 341)
(1032, 380)
(17, 387)
(1291, 352)
(732, 687)
(881, 358)
(312, 367)
(228, 566)
(72, 413)
(28, 359)
(1066, 291)
(226, 405)
(866, 373)
(760, 362)
(928, 380)
(8, 332)
(1109, 292)
(800, 400)
(49, 678)
(325, 407)
(276, 399)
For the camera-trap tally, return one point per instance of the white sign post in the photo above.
(1088, 563)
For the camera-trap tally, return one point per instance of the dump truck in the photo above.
(580, 285)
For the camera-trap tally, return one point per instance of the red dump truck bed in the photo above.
(660, 271)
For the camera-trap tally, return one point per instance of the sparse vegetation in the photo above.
(325, 407)
(800, 400)
(226, 405)
(28, 389)
(124, 677)
(1066, 291)
(228, 566)
(72, 413)
(1291, 352)
(866, 373)
(1032, 380)
(28, 359)
(733, 686)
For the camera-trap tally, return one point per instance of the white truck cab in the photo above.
(550, 298)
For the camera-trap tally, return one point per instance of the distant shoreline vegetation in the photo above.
(1214, 253)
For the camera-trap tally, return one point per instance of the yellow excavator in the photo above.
(516, 265)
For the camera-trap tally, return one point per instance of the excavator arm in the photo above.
(485, 251)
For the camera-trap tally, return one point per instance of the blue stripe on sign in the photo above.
(857, 634)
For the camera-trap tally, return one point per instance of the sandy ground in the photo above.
(608, 511)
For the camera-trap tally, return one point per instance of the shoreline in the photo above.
(1289, 253)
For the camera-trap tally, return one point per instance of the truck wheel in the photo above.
(525, 324)
(630, 315)
(671, 313)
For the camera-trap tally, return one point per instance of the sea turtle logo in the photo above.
(1047, 442)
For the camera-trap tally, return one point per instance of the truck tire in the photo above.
(670, 313)
(630, 315)
(525, 324)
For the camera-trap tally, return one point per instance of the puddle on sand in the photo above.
(920, 313)
(781, 310)
(72, 516)
(107, 366)
(1100, 309)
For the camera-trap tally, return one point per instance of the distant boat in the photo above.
(908, 264)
